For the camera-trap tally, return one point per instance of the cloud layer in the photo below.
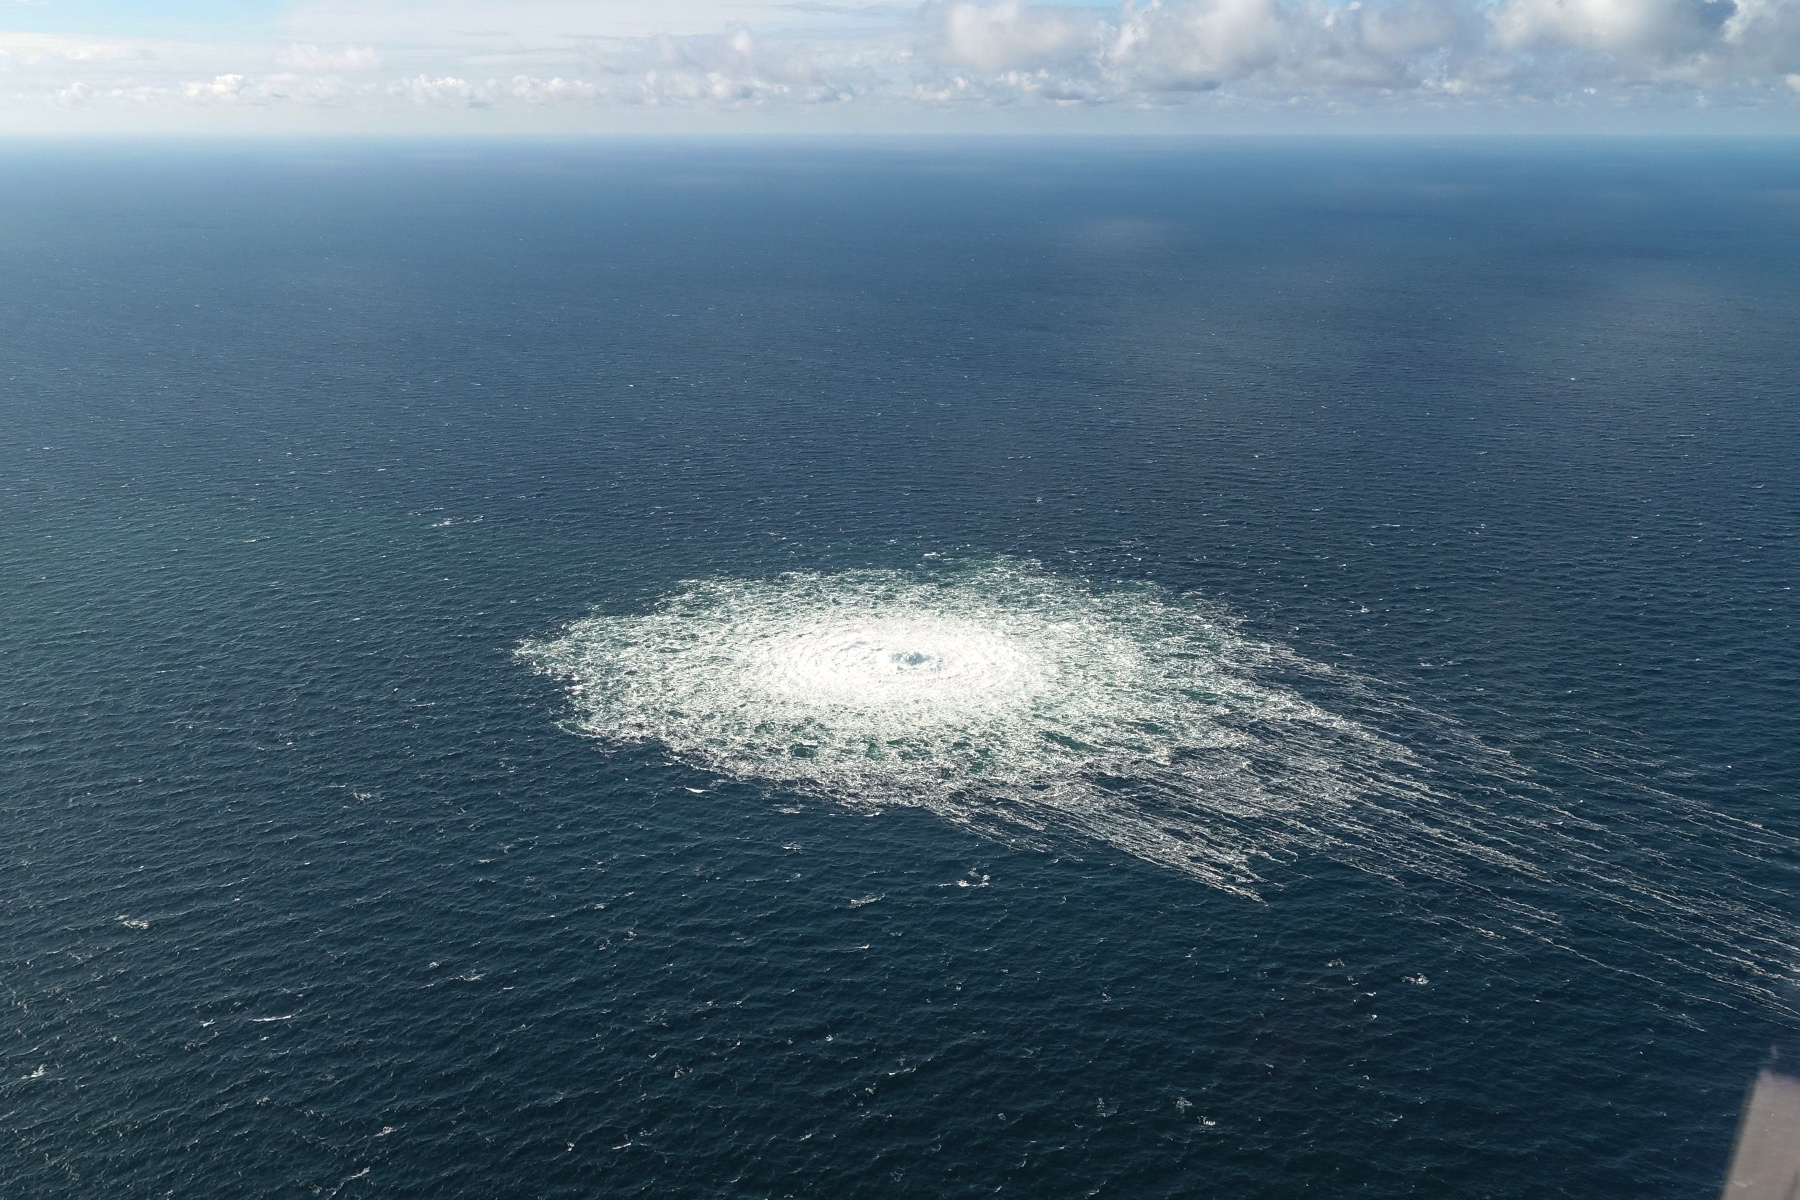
(590, 65)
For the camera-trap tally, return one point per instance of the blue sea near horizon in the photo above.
(314, 886)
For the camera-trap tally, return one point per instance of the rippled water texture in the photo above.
(1136, 669)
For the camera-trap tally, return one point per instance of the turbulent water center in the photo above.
(998, 695)
(1046, 710)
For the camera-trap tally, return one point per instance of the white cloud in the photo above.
(553, 90)
(585, 60)
(999, 37)
(222, 88)
(1635, 28)
(1202, 44)
(447, 90)
(1764, 36)
(532, 22)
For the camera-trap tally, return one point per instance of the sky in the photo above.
(499, 67)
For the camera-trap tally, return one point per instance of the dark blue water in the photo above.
(307, 889)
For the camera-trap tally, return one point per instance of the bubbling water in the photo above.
(1041, 711)
(909, 667)
(1000, 697)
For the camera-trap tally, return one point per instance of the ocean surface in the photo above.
(1241, 669)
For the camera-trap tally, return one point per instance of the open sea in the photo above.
(1242, 669)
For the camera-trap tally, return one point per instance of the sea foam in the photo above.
(1003, 697)
(1042, 710)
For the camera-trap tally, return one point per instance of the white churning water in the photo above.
(1040, 710)
(1002, 697)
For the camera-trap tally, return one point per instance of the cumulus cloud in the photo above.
(220, 88)
(964, 55)
(1631, 30)
(1009, 34)
(449, 90)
